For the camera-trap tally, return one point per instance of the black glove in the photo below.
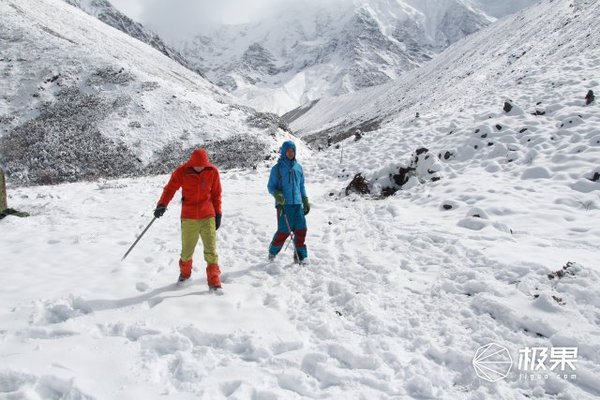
(218, 220)
(306, 205)
(159, 211)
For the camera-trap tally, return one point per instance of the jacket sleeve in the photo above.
(172, 187)
(273, 184)
(302, 188)
(215, 193)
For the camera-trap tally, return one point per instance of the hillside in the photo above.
(123, 109)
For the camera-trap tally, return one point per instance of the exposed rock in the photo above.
(589, 97)
(570, 269)
(358, 185)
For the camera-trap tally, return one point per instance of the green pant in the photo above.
(191, 229)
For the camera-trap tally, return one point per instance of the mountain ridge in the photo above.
(326, 51)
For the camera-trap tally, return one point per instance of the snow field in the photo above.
(395, 302)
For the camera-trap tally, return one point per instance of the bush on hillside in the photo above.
(63, 144)
(239, 151)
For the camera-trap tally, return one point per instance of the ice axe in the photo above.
(292, 235)
(138, 239)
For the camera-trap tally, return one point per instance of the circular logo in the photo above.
(492, 362)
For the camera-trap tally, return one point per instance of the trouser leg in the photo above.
(300, 231)
(208, 233)
(190, 233)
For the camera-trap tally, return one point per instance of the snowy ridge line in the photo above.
(108, 14)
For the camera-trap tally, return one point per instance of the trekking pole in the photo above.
(138, 239)
(291, 235)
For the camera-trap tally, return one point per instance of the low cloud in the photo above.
(176, 19)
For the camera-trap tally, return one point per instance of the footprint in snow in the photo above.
(20, 383)
(228, 388)
(154, 301)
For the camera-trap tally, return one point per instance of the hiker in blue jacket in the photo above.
(286, 184)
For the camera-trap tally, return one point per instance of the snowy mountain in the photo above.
(68, 113)
(297, 52)
(105, 12)
(475, 74)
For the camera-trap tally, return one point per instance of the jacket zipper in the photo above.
(198, 196)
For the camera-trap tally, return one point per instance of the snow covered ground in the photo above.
(398, 297)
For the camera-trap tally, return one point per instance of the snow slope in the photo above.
(107, 112)
(543, 66)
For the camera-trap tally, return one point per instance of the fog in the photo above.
(178, 19)
(174, 19)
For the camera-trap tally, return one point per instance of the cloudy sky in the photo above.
(177, 18)
(227, 11)
(132, 8)
(203, 10)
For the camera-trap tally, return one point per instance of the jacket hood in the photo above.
(285, 146)
(199, 158)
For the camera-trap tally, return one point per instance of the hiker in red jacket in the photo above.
(200, 213)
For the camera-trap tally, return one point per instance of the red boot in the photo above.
(185, 270)
(212, 276)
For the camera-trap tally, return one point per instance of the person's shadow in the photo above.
(155, 296)
(152, 298)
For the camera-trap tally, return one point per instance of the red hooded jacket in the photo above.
(201, 191)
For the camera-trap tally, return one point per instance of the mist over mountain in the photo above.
(276, 56)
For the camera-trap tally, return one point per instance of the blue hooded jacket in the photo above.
(287, 177)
